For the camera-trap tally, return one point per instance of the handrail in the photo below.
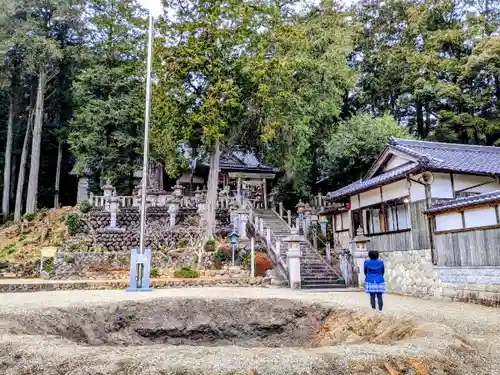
(322, 259)
(283, 220)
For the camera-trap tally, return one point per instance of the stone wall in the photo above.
(93, 233)
(411, 272)
(472, 284)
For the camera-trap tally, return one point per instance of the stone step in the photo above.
(323, 286)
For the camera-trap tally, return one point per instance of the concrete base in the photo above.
(139, 290)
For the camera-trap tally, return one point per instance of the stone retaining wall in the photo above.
(411, 272)
(26, 287)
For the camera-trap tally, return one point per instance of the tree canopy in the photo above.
(311, 88)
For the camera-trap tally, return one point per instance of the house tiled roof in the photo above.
(480, 160)
(472, 200)
(451, 156)
(380, 179)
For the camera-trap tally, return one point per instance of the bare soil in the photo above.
(226, 336)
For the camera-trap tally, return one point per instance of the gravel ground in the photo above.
(459, 339)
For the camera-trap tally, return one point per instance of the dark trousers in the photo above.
(379, 300)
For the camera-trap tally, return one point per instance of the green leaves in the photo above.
(354, 146)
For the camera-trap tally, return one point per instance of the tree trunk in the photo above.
(58, 175)
(213, 180)
(31, 199)
(420, 119)
(8, 162)
(22, 168)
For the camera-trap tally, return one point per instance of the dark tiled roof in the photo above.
(472, 200)
(380, 179)
(244, 161)
(451, 156)
(482, 160)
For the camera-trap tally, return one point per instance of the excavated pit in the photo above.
(225, 336)
(240, 322)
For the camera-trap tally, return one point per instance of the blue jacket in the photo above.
(374, 271)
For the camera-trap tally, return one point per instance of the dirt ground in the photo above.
(242, 331)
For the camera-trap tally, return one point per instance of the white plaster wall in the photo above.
(346, 220)
(480, 217)
(441, 187)
(338, 222)
(370, 197)
(462, 182)
(395, 161)
(417, 191)
(354, 202)
(395, 190)
(449, 221)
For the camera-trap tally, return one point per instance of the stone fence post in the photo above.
(360, 253)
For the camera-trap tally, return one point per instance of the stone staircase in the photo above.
(315, 272)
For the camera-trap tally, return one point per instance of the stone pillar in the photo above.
(293, 259)
(83, 190)
(233, 215)
(264, 192)
(243, 219)
(173, 208)
(360, 253)
(113, 210)
(300, 210)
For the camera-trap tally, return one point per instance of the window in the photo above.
(342, 221)
(386, 217)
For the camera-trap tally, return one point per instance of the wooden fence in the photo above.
(473, 248)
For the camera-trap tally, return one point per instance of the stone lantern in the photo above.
(360, 253)
(178, 190)
(293, 258)
(307, 218)
(197, 193)
(114, 206)
(300, 210)
(234, 241)
(107, 190)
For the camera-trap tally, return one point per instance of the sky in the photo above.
(153, 5)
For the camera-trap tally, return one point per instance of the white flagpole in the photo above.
(147, 117)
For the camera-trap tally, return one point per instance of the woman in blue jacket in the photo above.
(374, 278)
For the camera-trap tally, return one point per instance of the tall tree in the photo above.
(256, 74)
(106, 132)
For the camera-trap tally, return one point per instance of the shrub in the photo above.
(73, 221)
(210, 245)
(6, 251)
(219, 256)
(182, 243)
(186, 273)
(84, 207)
(48, 265)
(226, 249)
(29, 216)
(155, 272)
(262, 263)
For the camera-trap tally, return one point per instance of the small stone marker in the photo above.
(140, 268)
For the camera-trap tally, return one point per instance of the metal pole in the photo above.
(147, 116)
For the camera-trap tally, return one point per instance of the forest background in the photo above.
(312, 88)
